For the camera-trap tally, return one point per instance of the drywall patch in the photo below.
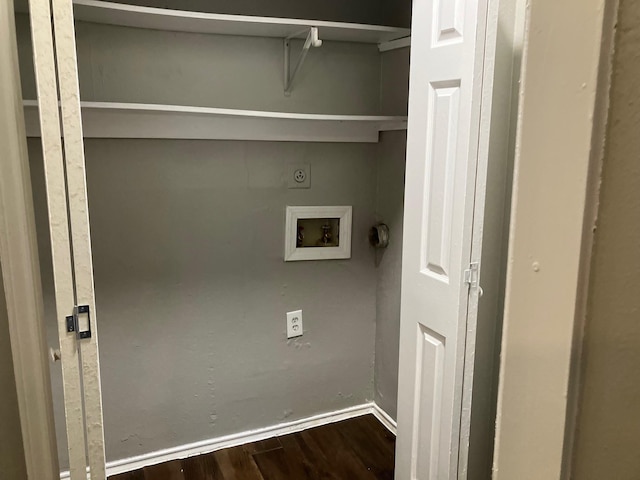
(133, 438)
(213, 417)
(286, 414)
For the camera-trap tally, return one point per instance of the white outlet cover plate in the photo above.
(294, 324)
(294, 178)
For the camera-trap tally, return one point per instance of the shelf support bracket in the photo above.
(311, 41)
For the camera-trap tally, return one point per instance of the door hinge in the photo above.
(76, 323)
(471, 275)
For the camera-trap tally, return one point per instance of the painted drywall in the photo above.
(376, 12)
(397, 13)
(121, 64)
(608, 426)
(391, 160)
(394, 81)
(12, 463)
(187, 238)
(389, 210)
(192, 289)
(557, 108)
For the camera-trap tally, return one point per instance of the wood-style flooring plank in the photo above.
(262, 446)
(164, 471)
(333, 446)
(369, 445)
(381, 431)
(296, 459)
(135, 475)
(236, 464)
(281, 464)
(356, 449)
(311, 453)
(201, 467)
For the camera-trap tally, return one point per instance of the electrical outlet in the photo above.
(294, 324)
(299, 176)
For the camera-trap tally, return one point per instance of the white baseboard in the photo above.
(384, 418)
(207, 446)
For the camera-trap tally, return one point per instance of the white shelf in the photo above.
(136, 120)
(183, 21)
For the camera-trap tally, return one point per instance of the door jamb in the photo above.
(501, 71)
(20, 269)
(561, 124)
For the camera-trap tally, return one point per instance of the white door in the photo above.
(69, 231)
(447, 54)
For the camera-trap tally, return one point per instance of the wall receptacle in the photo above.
(294, 324)
(299, 176)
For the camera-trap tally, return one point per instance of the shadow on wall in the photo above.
(608, 424)
(12, 463)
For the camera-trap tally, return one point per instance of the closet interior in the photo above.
(196, 116)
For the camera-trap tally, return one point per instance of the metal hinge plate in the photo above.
(78, 325)
(471, 274)
(471, 277)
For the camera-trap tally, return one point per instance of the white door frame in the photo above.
(65, 181)
(69, 87)
(562, 115)
(40, 16)
(21, 270)
(501, 73)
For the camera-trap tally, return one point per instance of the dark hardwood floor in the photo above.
(356, 449)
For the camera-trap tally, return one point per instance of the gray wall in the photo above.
(382, 12)
(394, 92)
(336, 10)
(608, 425)
(389, 210)
(120, 64)
(187, 236)
(376, 12)
(397, 13)
(12, 464)
(192, 289)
